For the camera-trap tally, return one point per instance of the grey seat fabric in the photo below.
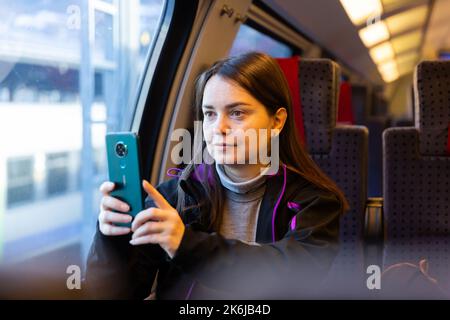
(341, 152)
(417, 178)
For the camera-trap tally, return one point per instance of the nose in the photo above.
(221, 125)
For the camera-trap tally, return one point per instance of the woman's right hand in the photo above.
(107, 218)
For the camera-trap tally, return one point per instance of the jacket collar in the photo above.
(278, 191)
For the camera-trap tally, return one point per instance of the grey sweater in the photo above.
(241, 208)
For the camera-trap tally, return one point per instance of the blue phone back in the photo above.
(124, 170)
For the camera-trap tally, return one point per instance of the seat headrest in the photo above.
(319, 86)
(432, 98)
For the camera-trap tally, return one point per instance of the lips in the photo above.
(223, 145)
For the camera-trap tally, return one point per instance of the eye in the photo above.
(237, 113)
(208, 114)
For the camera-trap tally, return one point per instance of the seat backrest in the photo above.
(417, 177)
(432, 95)
(340, 151)
(319, 89)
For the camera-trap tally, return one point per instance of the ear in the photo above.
(279, 118)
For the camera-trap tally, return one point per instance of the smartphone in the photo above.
(124, 169)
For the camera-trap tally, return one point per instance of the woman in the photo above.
(226, 230)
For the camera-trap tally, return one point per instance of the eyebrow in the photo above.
(228, 106)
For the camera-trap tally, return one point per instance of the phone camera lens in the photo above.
(121, 149)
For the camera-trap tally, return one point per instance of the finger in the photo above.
(152, 238)
(109, 202)
(150, 227)
(111, 230)
(154, 194)
(106, 187)
(142, 217)
(107, 216)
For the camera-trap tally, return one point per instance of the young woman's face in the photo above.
(228, 112)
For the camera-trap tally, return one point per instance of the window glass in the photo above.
(250, 39)
(57, 166)
(20, 180)
(66, 78)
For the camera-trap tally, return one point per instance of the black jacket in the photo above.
(297, 229)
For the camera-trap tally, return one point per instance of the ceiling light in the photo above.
(390, 76)
(360, 10)
(382, 52)
(374, 33)
(388, 70)
(388, 66)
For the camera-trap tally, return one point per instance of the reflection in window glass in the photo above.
(20, 180)
(48, 107)
(57, 165)
(249, 39)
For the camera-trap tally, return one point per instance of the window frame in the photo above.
(154, 90)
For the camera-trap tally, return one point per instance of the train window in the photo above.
(57, 165)
(20, 184)
(70, 71)
(250, 39)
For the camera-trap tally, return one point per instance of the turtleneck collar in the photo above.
(240, 186)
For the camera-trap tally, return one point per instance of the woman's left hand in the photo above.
(161, 225)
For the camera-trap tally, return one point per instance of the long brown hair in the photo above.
(260, 75)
